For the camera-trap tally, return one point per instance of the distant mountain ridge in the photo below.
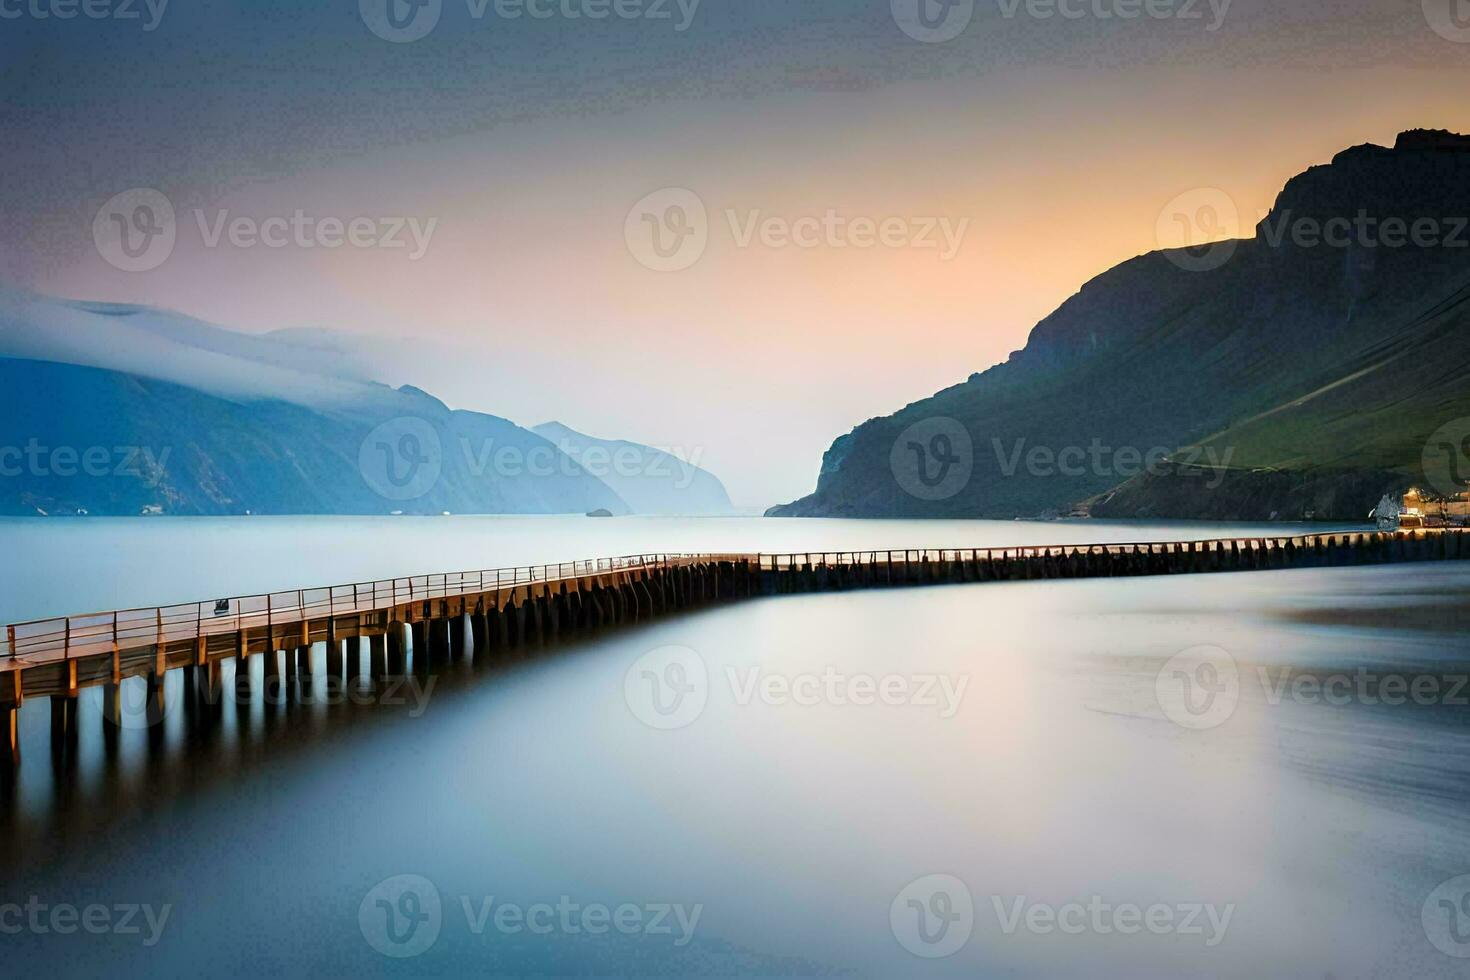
(120, 410)
(650, 480)
(1280, 376)
(161, 448)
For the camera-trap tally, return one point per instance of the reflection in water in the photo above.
(800, 810)
(126, 745)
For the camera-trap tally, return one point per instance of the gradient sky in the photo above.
(1060, 141)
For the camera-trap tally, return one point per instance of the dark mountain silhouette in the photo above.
(1290, 375)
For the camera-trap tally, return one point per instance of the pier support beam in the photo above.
(456, 637)
(378, 653)
(439, 630)
(396, 657)
(479, 634)
(10, 728)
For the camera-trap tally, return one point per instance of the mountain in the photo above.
(650, 480)
(122, 410)
(1300, 373)
(287, 365)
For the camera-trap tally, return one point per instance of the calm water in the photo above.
(1027, 753)
(59, 567)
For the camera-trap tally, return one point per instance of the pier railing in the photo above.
(90, 633)
(66, 637)
(782, 562)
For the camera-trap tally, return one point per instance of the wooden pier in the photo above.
(473, 613)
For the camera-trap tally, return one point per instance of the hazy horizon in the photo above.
(1033, 152)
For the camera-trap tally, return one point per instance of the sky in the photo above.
(853, 210)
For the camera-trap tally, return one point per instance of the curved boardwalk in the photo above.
(56, 658)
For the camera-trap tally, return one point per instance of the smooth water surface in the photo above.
(794, 825)
(68, 566)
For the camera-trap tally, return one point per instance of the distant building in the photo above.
(1422, 508)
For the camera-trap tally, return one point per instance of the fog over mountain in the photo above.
(121, 410)
(294, 366)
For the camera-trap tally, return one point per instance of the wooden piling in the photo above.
(10, 722)
(456, 628)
